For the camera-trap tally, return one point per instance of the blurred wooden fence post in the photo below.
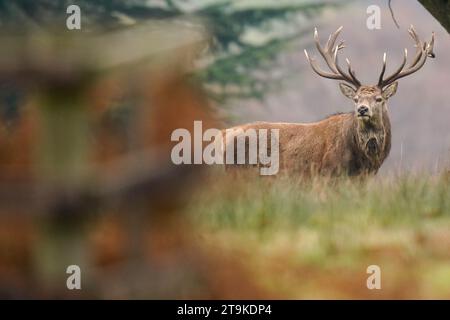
(66, 186)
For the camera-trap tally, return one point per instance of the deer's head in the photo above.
(369, 100)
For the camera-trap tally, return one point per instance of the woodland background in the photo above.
(86, 176)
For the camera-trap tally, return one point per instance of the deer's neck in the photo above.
(372, 139)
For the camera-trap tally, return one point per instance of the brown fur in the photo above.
(339, 144)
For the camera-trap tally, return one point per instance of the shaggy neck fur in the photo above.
(371, 140)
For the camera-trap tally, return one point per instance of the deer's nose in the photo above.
(362, 110)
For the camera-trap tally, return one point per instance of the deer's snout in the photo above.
(363, 110)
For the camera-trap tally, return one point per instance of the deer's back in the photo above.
(307, 147)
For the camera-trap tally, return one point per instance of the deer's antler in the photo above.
(423, 51)
(330, 55)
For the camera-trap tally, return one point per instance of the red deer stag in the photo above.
(347, 143)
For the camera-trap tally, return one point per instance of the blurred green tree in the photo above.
(246, 36)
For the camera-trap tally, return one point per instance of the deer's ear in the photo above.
(347, 90)
(390, 90)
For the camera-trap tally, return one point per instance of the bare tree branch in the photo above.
(392, 14)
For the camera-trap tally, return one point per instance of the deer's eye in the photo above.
(355, 99)
(378, 99)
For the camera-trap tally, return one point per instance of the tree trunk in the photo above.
(440, 9)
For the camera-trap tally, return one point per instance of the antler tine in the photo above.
(399, 69)
(423, 51)
(340, 46)
(352, 72)
(329, 54)
(328, 41)
(418, 45)
(412, 69)
(334, 36)
(325, 53)
(383, 70)
(431, 46)
(320, 72)
(344, 75)
(413, 34)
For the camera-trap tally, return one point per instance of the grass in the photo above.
(315, 239)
